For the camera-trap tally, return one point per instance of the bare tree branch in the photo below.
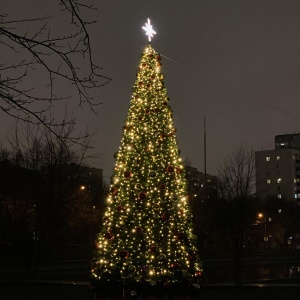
(236, 203)
(236, 175)
(66, 58)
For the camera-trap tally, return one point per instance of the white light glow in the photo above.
(149, 30)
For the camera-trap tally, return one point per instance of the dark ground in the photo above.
(70, 280)
(21, 291)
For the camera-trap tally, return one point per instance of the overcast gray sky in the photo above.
(234, 62)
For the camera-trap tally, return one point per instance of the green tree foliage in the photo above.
(147, 227)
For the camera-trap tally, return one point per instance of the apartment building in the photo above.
(196, 184)
(278, 170)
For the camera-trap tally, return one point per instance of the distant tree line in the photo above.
(231, 220)
(51, 200)
(49, 197)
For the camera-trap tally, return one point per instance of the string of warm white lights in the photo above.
(147, 226)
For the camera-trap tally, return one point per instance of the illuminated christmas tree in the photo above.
(147, 226)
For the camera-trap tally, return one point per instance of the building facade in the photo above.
(287, 141)
(197, 188)
(278, 170)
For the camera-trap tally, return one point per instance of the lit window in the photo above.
(296, 196)
(268, 158)
(268, 181)
(295, 180)
(278, 180)
(279, 196)
(278, 157)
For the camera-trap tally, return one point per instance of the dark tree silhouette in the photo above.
(236, 203)
(284, 220)
(32, 49)
(54, 164)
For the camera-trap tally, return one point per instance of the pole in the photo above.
(205, 180)
(266, 238)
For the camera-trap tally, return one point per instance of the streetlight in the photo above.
(86, 190)
(260, 216)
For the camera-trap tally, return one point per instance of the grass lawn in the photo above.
(31, 291)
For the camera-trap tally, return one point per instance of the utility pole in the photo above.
(205, 179)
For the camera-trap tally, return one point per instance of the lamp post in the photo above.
(262, 216)
(91, 227)
(92, 208)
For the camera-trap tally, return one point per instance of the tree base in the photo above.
(140, 292)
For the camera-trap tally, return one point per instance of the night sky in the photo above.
(234, 62)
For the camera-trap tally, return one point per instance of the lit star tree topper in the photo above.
(146, 239)
(149, 30)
